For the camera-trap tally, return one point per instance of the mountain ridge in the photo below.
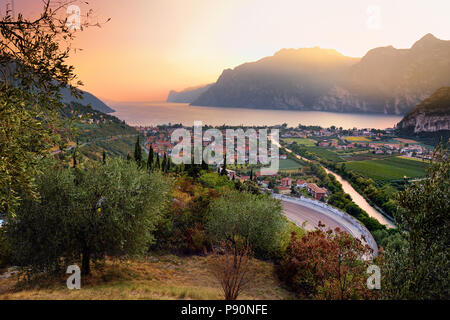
(386, 80)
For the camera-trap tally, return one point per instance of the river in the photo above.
(356, 197)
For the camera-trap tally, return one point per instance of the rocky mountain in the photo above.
(386, 80)
(432, 115)
(188, 95)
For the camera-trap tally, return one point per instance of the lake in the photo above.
(156, 113)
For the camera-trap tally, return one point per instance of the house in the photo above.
(284, 190)
(286, 182)
(301, 184)
(283, 157)
(316, 192)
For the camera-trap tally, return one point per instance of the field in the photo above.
(301, 141)
(289, 164)
(155, 278)
(326, 154)
(389, 169)
(357, 139)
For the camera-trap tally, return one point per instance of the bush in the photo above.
(326, 265)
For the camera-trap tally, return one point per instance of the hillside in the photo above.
(385, 80)
(188, 95)
(97, 131)
(430, 119)
(87, 99)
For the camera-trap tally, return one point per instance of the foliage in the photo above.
(33, 70)
(231, 266)
(257, 219)
(326, 265)
(181, 228)
(418, 261)
(87, 213)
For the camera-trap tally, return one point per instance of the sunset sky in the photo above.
(152, 46)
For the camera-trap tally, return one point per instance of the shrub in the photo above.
(326, 265)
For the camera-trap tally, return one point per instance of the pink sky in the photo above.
(152, 46)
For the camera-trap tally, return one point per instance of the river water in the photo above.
(356, 197)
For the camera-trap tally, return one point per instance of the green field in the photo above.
(289, 164)
(325, 153)
(389, 169)
(301, 141)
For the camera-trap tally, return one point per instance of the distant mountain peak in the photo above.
(427, 41)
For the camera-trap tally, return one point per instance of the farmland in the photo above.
(289, 164)
(301, 141)
(393, 168)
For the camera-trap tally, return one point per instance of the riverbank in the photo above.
(348, 188)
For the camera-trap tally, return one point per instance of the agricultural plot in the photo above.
(289, 164)
(389, 169)
(301, 141)
(358, 139)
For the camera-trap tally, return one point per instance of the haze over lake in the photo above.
(157, 113)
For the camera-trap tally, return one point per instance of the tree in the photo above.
(84, 215)
(257, 219)
(158, 164)
(326, 265)
(33, 72)
(138, 152)
(104, 157)
(417, 260)
(150, 159)
(224, 168)
(231, 266)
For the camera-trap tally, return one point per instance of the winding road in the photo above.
(308, 216)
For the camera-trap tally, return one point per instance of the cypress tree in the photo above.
(150, 159)
(104, 157)
(251, 175)
(224, 169)
(158, 165)
(164, 163)
(138, 152)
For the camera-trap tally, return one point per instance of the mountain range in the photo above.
(386, 80)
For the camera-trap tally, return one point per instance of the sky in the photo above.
(150, 47)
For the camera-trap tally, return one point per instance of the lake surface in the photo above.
(156, 113)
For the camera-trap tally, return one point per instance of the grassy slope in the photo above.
(388, 169)
(158, 277)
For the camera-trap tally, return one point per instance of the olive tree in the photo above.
(86, 214)
(256, 220)
(33, 73)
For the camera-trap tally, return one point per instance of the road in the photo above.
(308, 216)
(300, 215)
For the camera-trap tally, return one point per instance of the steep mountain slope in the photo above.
(188, 95)
(432, 115)
(430, 119)
(88, 99)
(385, 80)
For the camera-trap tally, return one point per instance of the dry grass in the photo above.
(163, 277)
